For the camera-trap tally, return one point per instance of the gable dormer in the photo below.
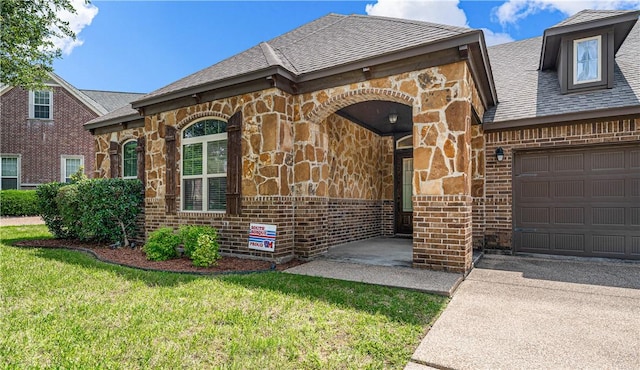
(582, 48)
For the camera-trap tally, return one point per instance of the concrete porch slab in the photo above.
(436, 282)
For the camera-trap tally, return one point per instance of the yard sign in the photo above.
(262, 237)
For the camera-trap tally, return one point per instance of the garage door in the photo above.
(582, 202)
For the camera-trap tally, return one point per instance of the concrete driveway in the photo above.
(523, 312)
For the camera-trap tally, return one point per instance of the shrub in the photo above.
(161, 244)
(18, 203)
(69, 204)
(206, 253)
(92, 210)
(109, 209)
(46, 195)
(189, 235)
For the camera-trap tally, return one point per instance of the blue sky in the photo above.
(140, 46)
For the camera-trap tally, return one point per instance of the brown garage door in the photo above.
(583, 202)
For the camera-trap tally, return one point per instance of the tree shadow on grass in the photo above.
(399, 305)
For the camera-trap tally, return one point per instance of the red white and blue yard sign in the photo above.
(262, 237)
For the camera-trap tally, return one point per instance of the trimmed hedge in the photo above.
(18, 203)
(102, 210)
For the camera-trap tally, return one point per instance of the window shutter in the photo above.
(234, 164)
(140, 170)
(170, 144)
(114, 158)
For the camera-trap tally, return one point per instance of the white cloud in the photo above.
(436, 11)
(494, 38)
(78, 21)
(513, 11)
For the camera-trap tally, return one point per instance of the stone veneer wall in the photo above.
(318, 178)
(498, 202)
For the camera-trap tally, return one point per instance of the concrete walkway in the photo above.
(380, 261)
(435, 282)
(19, 221)
(529, 313)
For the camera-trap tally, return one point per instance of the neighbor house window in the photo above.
(9, 172)
(40, 104)
(204, 166)
(70, 164)
(130, 160)
(587, 55)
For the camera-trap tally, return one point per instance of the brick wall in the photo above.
(494, 211)
(41, 143)
(439, 221)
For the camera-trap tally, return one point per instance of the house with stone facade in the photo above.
(42, 138)
(356, 127)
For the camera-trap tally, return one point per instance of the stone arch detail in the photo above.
(340, 101)
(126, 138)
(195, 116)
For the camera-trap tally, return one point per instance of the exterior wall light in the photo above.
(393, 118)
(500, 154)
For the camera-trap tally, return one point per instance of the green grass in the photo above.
(64, 309)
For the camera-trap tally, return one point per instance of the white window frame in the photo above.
(19, 172)
(122, 159)
(204, 176)
(63, 165)
(576, 56)
(32, 104)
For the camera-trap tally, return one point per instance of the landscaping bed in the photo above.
(136, 258)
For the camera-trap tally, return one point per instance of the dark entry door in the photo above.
(404, 191)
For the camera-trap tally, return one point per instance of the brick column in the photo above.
(442, 232)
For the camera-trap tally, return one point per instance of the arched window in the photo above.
(204, 166)
(405, 142)
(130, 160)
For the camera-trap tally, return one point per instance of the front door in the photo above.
(404, 191)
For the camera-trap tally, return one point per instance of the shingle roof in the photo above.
(588, 15)
(328, 42)
(112, 100)
(525, 92)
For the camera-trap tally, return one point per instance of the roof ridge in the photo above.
(610, 13)
(269, 54)
(111, 91)
(414, 22)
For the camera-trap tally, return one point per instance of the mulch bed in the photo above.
(136, 258)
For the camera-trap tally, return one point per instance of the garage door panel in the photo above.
(608, 188)
(582, 202)
(568, 189)
(607, 160)
(608, 244)
(568, 162)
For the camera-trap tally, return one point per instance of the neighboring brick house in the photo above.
(353, 127)
(42, 138)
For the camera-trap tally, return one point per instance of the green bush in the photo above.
(109, 209)
(190, 233)
(46, 195)
(103, 210)
(206, 252)
(18, 203)
(69, 206)
(161, 244)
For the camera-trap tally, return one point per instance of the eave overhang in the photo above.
(288, 81)
(562, 119)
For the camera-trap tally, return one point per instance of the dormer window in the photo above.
(587, 54)
(582, 48)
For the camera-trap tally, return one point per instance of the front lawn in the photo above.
(64, 309)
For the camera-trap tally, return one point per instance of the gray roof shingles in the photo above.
(524, 92)
(112, 100)
(588, 15)
(330, 41)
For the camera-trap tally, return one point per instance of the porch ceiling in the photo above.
(374, 115)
